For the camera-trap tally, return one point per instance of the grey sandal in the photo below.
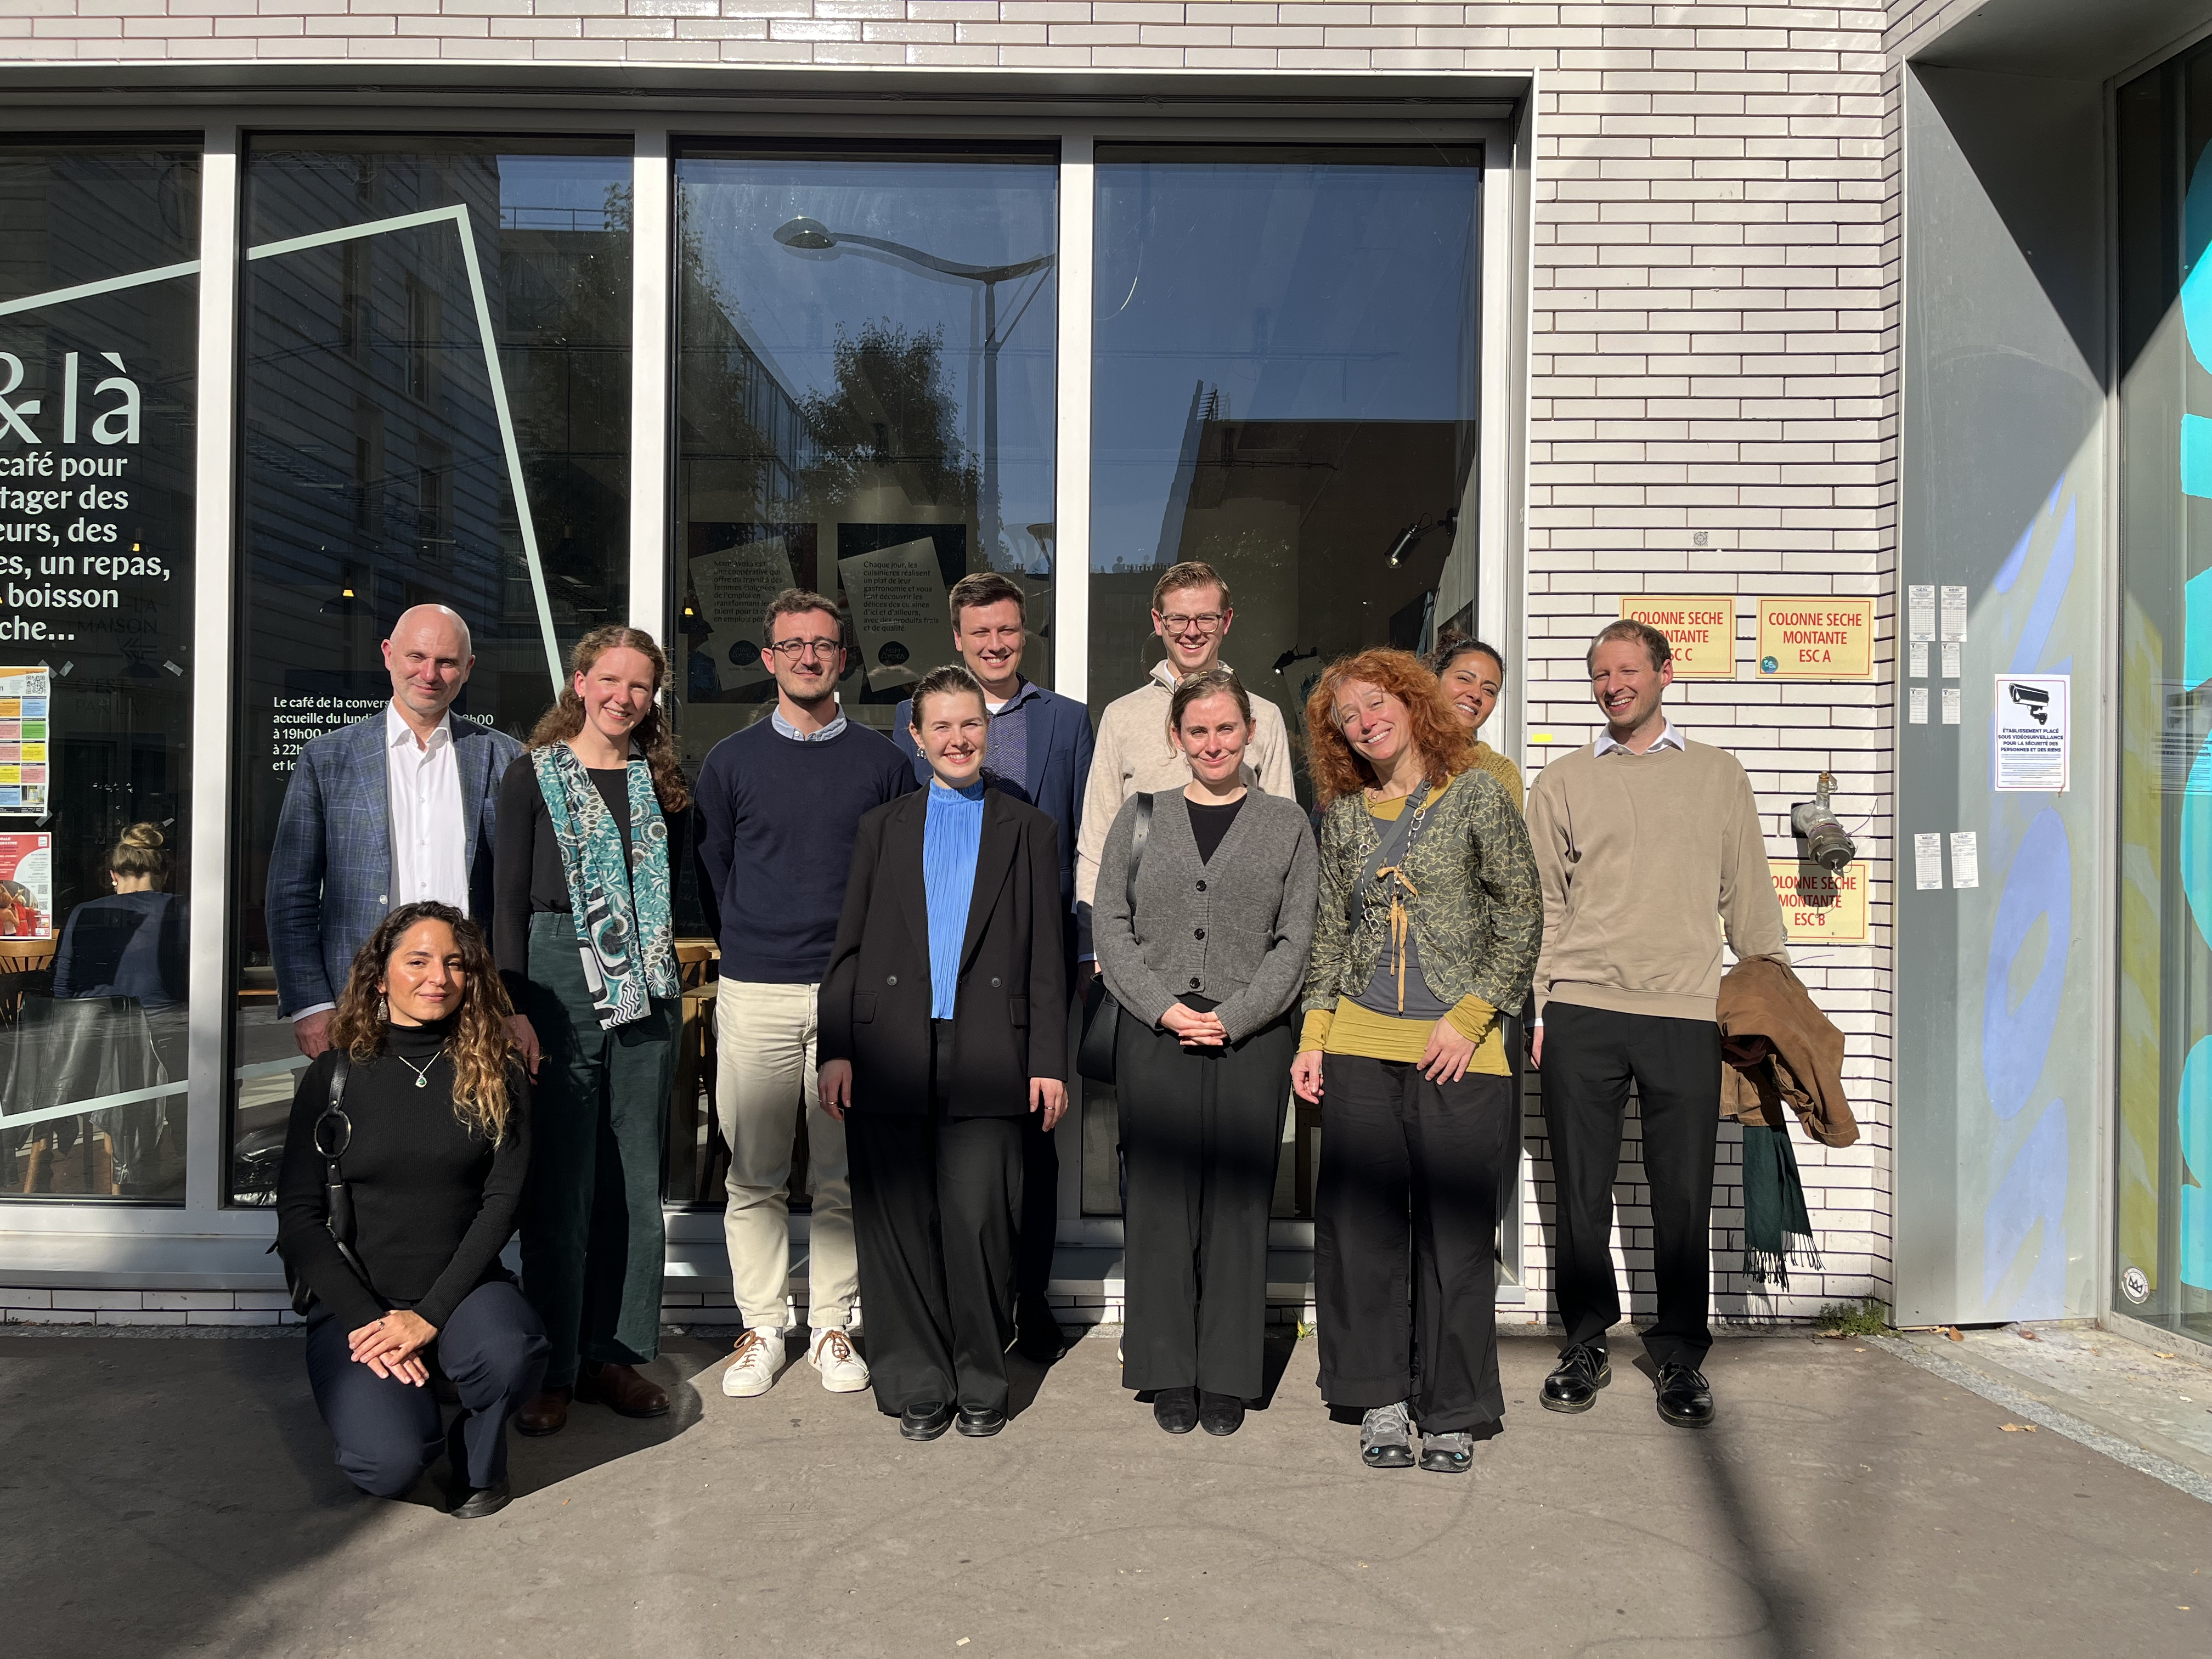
(1386, 1438)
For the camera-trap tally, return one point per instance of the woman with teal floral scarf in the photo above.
(592, 820)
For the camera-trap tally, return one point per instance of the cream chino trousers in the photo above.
(765, 1068)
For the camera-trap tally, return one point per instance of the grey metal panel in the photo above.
(2001, 1089)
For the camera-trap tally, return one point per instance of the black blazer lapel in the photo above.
(994, 856)
(902, 859)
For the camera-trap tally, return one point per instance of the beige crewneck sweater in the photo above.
(1646, 859)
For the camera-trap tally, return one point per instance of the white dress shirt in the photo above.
(422, 782)
(422, 787)
(1669, 738)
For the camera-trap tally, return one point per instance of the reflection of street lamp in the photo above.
(806, 235)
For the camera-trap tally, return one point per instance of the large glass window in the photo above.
(1284, 386)
(99, 336)
(434, 407)
(864, 408)
(2163, 1253)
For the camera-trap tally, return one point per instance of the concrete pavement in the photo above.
(171, 1496)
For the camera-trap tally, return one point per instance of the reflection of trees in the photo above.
(889, 420)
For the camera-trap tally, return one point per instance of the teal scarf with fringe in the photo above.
(623, 930)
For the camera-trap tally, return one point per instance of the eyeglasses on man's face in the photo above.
(1205, 621)
(793, 650)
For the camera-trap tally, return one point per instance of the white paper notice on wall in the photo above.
(1916, 705)
(1916, 656)
(1955, 614)
(1920, 612)
(2033, 719)
(1966, 859)
(1952, 652)
(1950, 705)
(1927, 863)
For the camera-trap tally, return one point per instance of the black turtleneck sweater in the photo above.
(433, 1202)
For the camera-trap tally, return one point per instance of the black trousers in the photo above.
(1201, 1134)
(493, 1350)
(1591, 1057)
(1406, 1239)
(936, 1201)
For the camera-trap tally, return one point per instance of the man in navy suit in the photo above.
(1039, 752)
(396, 808)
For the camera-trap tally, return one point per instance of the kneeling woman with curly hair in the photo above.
(425, 1113)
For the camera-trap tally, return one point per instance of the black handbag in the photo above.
(333, 1134)
(1102, 1015)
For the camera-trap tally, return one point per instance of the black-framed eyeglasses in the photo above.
(793, 650)
(1205, 621)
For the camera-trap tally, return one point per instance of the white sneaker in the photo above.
(843, 1370)
(759, 1358)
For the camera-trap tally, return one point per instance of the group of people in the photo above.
(906, 931)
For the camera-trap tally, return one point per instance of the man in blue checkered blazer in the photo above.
(398, 807)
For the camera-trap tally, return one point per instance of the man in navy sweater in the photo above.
(779, 806)
(1040, 752)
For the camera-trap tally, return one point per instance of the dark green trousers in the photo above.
(592, 1238)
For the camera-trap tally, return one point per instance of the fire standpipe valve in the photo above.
(1827, 842)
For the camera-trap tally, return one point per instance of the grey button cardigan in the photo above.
(1235, 929)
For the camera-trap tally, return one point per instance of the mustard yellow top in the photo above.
(1350, 1029)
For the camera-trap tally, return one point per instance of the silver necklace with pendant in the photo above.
(423, 1072)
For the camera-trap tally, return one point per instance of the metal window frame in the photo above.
(206, 1244)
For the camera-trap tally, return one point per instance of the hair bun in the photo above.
(147, 835)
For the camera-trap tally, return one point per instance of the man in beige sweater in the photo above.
(1191, 614)
(1648, 847)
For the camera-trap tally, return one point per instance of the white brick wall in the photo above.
(1714, 317)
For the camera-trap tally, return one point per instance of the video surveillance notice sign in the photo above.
(2032, 716)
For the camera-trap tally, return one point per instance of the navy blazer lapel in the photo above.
(1043, 717)
(472, 751)
(374, 785)
(902, 854)
(994, 856)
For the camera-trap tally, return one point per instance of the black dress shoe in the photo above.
(980, 1422)
(1038, 1336)
(480, 1502)
(926, 1421)
(1582, 1371)
(1685, 1399)
(1219, 1413)
(1176, 1410)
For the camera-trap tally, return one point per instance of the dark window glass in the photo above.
(864, 397)
(99, 336)
(417, 426)
(1283, 387)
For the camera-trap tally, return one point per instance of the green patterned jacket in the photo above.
(1479, 916)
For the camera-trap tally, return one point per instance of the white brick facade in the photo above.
(1713, 352)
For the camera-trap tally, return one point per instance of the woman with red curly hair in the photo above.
(1429, 920)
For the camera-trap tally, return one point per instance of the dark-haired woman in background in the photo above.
(132, 944)
(1429, 923)
(1472, 674)
(1205, 972)
(592, 820)
(433, 1146)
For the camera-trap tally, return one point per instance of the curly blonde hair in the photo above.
(1338, 769)
(479, 1046)
(566, 718)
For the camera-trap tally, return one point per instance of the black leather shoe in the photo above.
(926, 1421)
(1038, 1336)
(1572, 1387)
(1218, 1413)
(1685, 1399)
(1176, 1410)
(980, 1422)
(480, 1502)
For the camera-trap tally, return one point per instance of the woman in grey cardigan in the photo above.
(1205, 971)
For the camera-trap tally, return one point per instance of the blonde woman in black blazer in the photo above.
(943, 1022)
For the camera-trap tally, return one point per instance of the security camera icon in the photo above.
(2035, 700)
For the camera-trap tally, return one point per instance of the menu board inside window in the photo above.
(26, 697)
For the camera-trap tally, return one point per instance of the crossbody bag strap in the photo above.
(337, 1196)
(1138, 832)
(1390, 849)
